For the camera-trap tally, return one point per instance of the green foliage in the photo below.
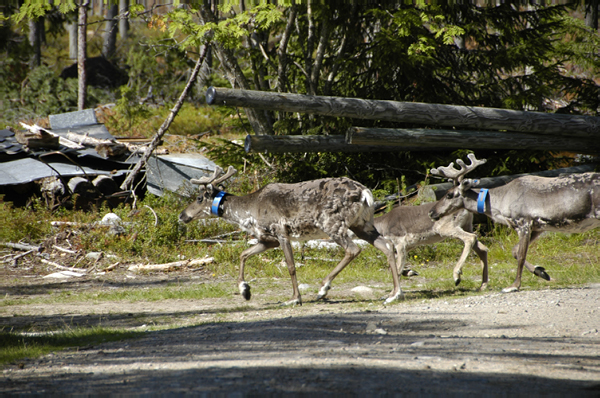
(130, 108)
(19, 225)
(44, 93)
(452, 54)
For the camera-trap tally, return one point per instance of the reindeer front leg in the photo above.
(260, 247)
(469, 240)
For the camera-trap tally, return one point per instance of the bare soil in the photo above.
(532, 342)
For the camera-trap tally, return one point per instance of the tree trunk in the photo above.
(72, 29)
(228, 60)
(81, 54)
(109, 45)
(123, 22)
(454, 116)
(591, 14)
(35, 40)
(282, 50)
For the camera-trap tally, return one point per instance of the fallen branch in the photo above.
(91, 141)
(64, 274)
(111, 267)
(167, 266)
(69, 223)
(82, 271)
(15, 258)
(155, 216)
(20, 246)
(62, 249)
(35, 129)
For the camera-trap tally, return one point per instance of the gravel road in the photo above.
(531, 342)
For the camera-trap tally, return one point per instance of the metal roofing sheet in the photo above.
(28, 169)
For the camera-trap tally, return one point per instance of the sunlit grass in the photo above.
(15, 346)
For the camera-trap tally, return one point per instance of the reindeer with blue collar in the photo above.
(530, 205)
(278, 214)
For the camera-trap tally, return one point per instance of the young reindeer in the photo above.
(410, 226)
(530, 205)
(280, 213)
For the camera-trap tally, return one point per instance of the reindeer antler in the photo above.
(457, 175)
(215, 179)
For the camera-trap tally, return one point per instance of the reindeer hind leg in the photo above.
(370, 234)
(352, 251)
(520, 253)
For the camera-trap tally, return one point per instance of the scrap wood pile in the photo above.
(75, 163)
(61, 257)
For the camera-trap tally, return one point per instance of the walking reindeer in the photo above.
(280, 213)
(410, 226)
(529, 204)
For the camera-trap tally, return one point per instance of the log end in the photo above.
(248, 143)
(211, 95)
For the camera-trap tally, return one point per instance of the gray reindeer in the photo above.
(278, 214)
(529, 204)
(410, 226)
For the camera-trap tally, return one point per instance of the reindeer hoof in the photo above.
(483, 287)
(293, 302)
(245, 290)
(409, 272)
(323, 291)
(396, 297)
(541, 272)
(510, 289)
(456, 281)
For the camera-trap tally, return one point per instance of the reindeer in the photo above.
(530, 205)
(410, 226)
(280, 213)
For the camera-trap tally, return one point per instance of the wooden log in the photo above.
(21, 246)
(312, 143)
(472, 139)
(411, 112)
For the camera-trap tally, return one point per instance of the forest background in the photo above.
(514, 55)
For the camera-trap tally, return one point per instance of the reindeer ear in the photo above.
(467, 184)
(208, 190)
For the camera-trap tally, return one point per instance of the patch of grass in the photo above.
(173, 291)
(16, 346)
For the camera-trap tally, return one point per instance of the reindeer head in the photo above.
(454, 198)
(208, 195)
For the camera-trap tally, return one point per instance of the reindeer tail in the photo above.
(367, 197)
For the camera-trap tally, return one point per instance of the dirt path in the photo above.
(542, 342)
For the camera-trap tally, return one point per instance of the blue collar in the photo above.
(217, 203)
(481, 200)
